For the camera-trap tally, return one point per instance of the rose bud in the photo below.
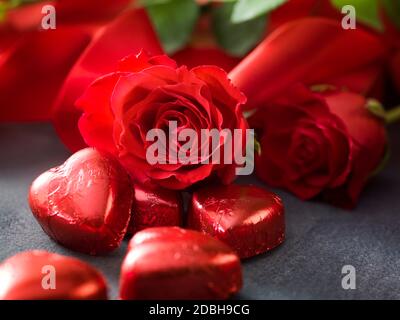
(155, 207)
(147, 93)
(249, 219)
(41, 275)
(173, 263)
(319, 143)
(283, 59)
(85, 203)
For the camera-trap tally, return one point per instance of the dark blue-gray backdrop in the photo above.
(320, 239)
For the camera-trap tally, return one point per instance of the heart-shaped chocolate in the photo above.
(43, 275)
(155, 207)
(248, 218)
(174, 263)
(85, 203)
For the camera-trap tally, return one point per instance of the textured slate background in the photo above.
(320, 239)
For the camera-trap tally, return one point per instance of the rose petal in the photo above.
(44, 59)
(128, 34)
(285, 57)
(193, 57)
(97, 122)
(369, 138)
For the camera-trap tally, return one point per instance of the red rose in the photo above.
(319, 143)
(148, 92)
(292, 10)
(198, 56)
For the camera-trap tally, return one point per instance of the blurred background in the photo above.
(34, 63)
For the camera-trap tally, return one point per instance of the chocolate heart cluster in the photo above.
(89, 205)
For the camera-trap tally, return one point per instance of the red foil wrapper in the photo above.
(40, 275)
(173, 263)
(84, 204)
(249, 219)
(155, 207)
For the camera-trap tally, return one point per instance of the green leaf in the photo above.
(237, 38)
(174, 22)
(257, 147)
(146, 3)
(376, 108)
(5, 6)
(249, 113)
(320, 88)
(367, 11)
(392, 8)
(3, 11)
(210, 1)
(246, 10)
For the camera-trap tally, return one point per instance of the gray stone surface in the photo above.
(320, 239)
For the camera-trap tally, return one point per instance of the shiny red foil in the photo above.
(84, 204)
(173, 263)
(23, 275)
(248, 218)
(155, 207)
